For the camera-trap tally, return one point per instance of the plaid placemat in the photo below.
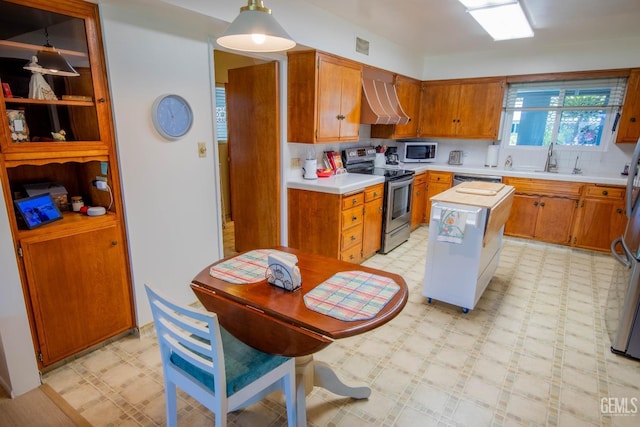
(351, 295)
(249, 267)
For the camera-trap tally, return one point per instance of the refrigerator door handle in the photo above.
(623, 260)
(633, 169)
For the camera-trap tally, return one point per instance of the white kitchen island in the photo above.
(465, 238)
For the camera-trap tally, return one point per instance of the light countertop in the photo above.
(347, 183)
(337, 184)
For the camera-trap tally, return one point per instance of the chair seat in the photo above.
(243, 364)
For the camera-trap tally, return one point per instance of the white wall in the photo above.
(170, 199)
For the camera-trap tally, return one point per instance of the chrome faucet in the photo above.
(551, 164)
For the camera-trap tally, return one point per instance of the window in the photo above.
(578, 113)
(221, 113)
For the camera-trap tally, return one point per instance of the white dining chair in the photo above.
(208, 363)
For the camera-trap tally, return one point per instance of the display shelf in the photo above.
(49, 102)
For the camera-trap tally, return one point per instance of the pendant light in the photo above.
(49, 61)
(255, 30)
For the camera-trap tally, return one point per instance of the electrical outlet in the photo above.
(296, 163)
(202, 149)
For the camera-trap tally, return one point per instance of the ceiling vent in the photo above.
(362, 46)
(380, 105)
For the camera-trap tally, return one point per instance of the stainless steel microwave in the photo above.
(417, 151)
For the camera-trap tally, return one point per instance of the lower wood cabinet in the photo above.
(372, 230)
(419, 203)
(78, 289)
(437, 182)
(346, 227)
(600, 217)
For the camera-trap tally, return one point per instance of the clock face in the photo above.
(172, 116)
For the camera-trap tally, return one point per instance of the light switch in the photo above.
(202, 149)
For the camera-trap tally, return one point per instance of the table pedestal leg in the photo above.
(310, 373)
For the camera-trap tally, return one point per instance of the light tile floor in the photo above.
(535, 351)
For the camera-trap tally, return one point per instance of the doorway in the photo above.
(247, 117)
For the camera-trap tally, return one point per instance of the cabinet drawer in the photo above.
(543, 187)
(351, 236)
(353, 254)
(420, 179)
(352, 200)
(374, 192)
(442, 177)
(351, 217)
(604, 192)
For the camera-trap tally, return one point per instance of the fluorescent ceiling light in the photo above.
(502, 19)
(255, 30)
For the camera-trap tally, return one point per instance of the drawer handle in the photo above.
(353, 218)
(353, 237)
(354, 201)
(375, 194)
(605, 193)
(351, 256)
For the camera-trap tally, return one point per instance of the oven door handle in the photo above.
(400, 182)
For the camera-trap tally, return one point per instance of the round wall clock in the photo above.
(172, 116)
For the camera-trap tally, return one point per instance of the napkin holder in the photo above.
(283, 272)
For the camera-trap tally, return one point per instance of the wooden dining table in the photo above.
(277, 321)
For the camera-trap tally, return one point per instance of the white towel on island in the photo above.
(451, 226)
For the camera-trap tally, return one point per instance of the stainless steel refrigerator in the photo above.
(622, 312)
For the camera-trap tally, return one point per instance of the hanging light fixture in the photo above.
(49, 61)
(255, 30)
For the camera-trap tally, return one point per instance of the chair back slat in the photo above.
(192, 334)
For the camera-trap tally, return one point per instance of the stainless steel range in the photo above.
(398, 191)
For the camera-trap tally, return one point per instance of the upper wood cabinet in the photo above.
(467, 108)
(629, 126)
(324, 95)
(74, 271)
(408, 91)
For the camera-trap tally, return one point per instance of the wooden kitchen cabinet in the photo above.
(600, 217)
(75, 271)
(324, 97)
(629, 125)
(437, 182)
(542, 209)
(467, 108)
(408, 91)
(79, 287)
(419, 203)
(372, 231)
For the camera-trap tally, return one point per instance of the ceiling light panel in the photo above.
(503, 22)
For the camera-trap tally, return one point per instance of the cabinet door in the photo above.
(339, 98)
(438, 110)
(419, 200)
(372, 227)
(629, 126)
(555, 217)
(409, 97)
(523, 217)
(598, 223)
(78, 289)
(479, 110)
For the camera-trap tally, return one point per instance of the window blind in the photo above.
(607, 92)
(221, 113)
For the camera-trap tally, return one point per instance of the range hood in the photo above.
(380, 104)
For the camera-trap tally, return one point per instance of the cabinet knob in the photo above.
(418, 192)
(353, 218)
(375, 194)
(619, 211)
(542, 204)
(353, 237)
(101, 100)
(632, 119)
(380, 209)
(605, 192)
(535, 203)
(354, 201)
(114, 243)
(351, 256)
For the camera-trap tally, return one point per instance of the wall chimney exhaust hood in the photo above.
(380, 105)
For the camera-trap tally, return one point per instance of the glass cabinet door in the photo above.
(48, 92)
